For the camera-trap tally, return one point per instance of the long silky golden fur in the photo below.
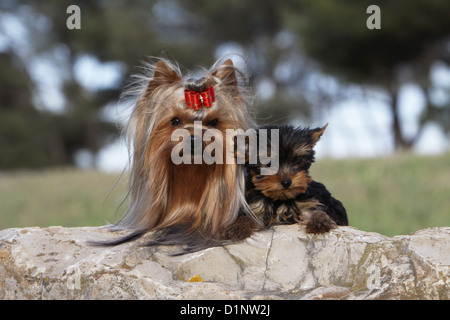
(200, 199)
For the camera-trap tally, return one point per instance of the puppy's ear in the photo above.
(317, 134)
(163, 75)
(226, 73)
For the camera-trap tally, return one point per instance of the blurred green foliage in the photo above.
(414, 35)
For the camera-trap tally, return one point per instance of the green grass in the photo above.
(396, 195)
(391, 196)
(63, 197)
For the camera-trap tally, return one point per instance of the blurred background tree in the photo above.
(414, 36)
(302, 55)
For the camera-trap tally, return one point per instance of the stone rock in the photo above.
(281, 263)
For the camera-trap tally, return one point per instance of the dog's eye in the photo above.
(175, 122)
(302, 165)
(213, 123)
(299, 165)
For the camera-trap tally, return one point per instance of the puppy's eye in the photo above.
(213, 123)
(301, 165)
(175, 122)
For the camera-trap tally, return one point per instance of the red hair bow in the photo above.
(196, 99)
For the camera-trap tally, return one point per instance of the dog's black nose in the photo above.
(196, 144)
(196, 138)
(286, 183)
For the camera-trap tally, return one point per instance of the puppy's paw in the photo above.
(319, 222)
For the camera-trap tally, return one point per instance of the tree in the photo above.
(414, 35)
(30, 135)
(286, 44)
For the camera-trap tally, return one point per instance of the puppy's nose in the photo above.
(285, 183)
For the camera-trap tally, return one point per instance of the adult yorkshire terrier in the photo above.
(192, 202)
(288, 194)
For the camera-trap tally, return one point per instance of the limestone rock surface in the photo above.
(281, 263)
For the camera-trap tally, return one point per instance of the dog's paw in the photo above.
(319, 222)
(241, 229)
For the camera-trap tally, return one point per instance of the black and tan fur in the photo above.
(290, 195)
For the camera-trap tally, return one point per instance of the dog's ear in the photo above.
(226, 73)
(163, 75)
(317, 134)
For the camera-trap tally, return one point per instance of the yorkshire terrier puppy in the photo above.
(288, 194)
(187, 198)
